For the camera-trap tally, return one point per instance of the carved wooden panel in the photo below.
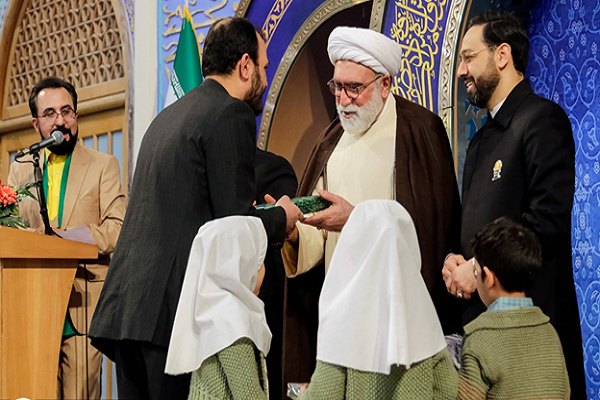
(75, 40)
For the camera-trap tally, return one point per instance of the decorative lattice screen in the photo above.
(75, 40)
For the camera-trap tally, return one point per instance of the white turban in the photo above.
(366, 47)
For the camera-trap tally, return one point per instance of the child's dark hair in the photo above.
(509, 249)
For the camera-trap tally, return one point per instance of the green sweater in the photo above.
(514, 354)
(236, 372)
(432, 378)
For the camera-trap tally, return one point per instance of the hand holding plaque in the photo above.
(335, 216)
(306, 204)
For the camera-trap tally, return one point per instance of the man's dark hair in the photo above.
(51, 82)
(226, 42)
(509, 249)
(502, 27)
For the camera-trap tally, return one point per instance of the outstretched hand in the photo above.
(335, 216)
(291, 234)
(292, 212)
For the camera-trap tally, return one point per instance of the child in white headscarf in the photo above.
(220, 330)
(379, 335)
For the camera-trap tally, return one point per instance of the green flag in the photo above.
(187, 69)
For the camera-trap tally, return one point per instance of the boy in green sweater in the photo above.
(510, 351)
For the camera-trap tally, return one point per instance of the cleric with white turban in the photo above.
(382, 146)
(367, 47)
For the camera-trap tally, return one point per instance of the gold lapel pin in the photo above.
(497, 171)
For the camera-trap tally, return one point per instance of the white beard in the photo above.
(364, 116)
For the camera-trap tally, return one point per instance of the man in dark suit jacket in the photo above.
(520, 163)
(196, 163)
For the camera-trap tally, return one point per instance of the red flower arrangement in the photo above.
(9, 197)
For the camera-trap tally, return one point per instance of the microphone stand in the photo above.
(39, 182)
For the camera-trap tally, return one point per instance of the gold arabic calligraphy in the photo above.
(275, 15)
(417, 28)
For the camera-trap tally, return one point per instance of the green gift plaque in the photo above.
(307, 204)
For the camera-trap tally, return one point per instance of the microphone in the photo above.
(55, 138)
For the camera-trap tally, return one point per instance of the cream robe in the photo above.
(360, 168)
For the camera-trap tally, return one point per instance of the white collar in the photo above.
(495, 110)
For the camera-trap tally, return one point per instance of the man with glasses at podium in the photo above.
(85, 202)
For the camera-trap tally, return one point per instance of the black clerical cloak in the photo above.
(425, 184)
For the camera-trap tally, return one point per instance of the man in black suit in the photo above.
(520, 163)
(196, 163)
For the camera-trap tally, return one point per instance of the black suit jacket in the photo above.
(196, 163)
(274, 175)
(532, 138)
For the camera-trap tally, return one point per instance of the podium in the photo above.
(36, 276)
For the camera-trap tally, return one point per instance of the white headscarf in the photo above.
(367, 47)
(217, 306)
(375, 310)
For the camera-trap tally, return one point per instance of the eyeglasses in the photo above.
(353, 90)
(474, 270)
(67, 113)
(467, 58)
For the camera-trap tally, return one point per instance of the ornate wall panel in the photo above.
(418, 26)
(564, 66)
(76, 40)
(170, 15)
(276, 14)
